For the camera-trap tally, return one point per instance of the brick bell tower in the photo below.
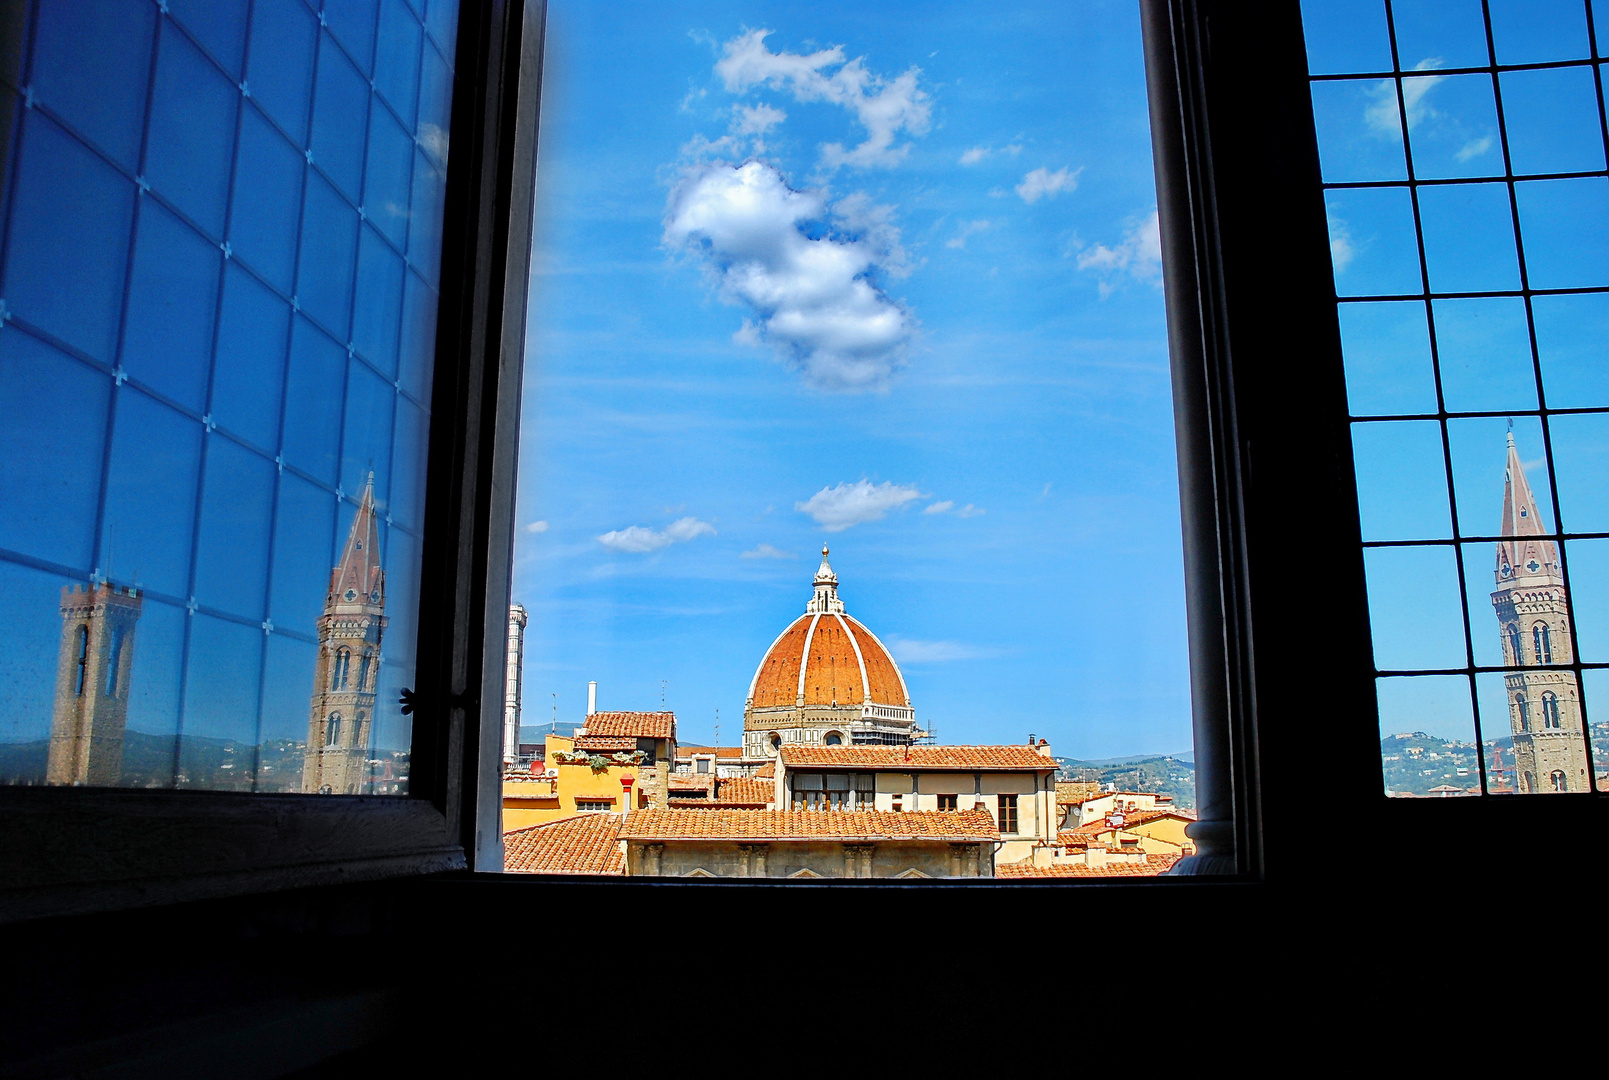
(349, 633)
(1533, 611)
(92, 684)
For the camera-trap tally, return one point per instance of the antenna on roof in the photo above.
(662, 684)
(717, 730)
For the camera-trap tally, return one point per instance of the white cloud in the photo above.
(1139, 256)
(537, 527)
(837, 508)
(1474, 148)
(766, 551)
(756, 119)
(1342, 250)
(939, 507)
(638, 540)
(1384, 116)
(1044, 184)
(979, 153)
(968, 229)
(812, 296)
(969, 510)
(884, 107)
(907, 651)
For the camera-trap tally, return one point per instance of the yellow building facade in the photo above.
(565, 789)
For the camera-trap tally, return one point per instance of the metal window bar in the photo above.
(1508, 177)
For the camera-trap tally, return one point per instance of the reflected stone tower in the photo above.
(349, 632)
(92, 684)
(1533, 610)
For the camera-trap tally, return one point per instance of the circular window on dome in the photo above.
(834, 738)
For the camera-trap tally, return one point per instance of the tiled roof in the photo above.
(909, 758)
(745, 791)
(1152, 866)
(636, 725)
(584, 844)
(1075, 793)
(608, 743)
(786, 825)
(769, 771)
(1130, 819)
(684, 782)
(722, 753)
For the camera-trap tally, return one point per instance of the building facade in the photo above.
(826, 681)
(1533, 616)
(93, 670)
(341, 719)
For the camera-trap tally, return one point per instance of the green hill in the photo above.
(1164, 775)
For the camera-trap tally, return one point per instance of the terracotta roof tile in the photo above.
(745, 791)
(1152, 866)
(907, 759)
(636, 725)
(722, 753)
(769, 771)
(584, 844)
(607, 743)
(808, 825)
(1077, 792)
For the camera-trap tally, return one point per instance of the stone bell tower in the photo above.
(92, 684)
(342, 716)
(1533, 612)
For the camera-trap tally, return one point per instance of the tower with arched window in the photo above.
(1533, 612)
(92, 684)
(340, 722)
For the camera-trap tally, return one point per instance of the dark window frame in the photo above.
(65, 851)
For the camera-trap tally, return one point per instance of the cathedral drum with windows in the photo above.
(1533, 610)
(826, 681)
(338, 729)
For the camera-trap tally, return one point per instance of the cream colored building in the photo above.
(1015, 784)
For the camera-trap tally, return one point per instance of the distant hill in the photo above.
(148, 762)
(1173, 775)
(530, 733)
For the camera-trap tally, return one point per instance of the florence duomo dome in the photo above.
(826, 681)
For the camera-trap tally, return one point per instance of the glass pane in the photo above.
(1537, 31)
(1372, 242)
(1452, 126)
(1359, 130)
(1552, 120)
(1344, 36)
(1440, 33)
(1484, 349)
(1581, 456)
(1566, 229)
(1387, 351)
(1571, 332)
(1589, 599)
(198, 435)
(1415, 614)
(1402, 480)
(1427, 737)
(1480, 471)
(1534, 739)
(1595, 697)
(1469, 238)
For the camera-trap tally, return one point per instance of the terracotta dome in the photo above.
(827, 658)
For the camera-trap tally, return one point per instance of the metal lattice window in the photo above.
(1463, 149)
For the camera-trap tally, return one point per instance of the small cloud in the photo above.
(837, 508)
(1139, 256)
(968, 228)
(1383, 115)
(1474, 148)
(638, 540)
(1044, 184)
(940, 507)
(537, 527)
(907, 651)
(1342, 250)
(766, 551)
(1045, 492)
(969, 511)
(756, 119)
(974, 155)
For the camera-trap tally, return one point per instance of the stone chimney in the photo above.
(592, 697)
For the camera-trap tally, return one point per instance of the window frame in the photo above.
(75, 850)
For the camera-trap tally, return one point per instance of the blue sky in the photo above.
(830, 274)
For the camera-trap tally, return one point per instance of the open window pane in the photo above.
(199, 350)
(834, 413)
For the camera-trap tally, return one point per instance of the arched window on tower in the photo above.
(1516, 651)
(115, 659)
(332, 730)
(1559, 781)
(1550, 711)
(83, 659)
(341, 669)
(1543, 640)
(1523, 709)
(363, 671)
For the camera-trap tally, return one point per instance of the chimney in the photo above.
(1044, 747)
(592, 697)
(625, 793)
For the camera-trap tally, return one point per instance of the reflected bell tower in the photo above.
(340, 723)
(92, 685)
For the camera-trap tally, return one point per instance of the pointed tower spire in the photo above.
(358, 580)
(1522, 556)
(825, 601)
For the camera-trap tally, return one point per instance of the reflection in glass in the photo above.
(1484, 354)
(1415, 615)
(1427, 736)
(1469, 238)
(1479, 448)
(1452, 125)
(212, 276)
(1402, 480)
